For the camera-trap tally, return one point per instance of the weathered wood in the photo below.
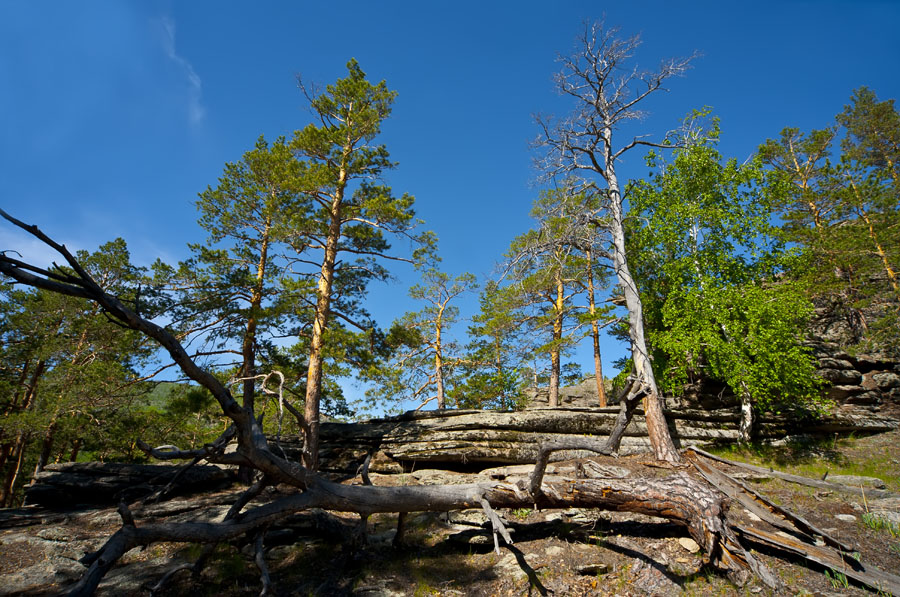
(867, 574)
(678, 498)
(765, 509)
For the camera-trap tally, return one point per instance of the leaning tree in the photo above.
(606, 92)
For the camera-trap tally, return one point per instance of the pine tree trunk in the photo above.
(248, 347)
(553, 390)
(595, 332)
(8, 449)
(879, 250)
(76, 448)
(46, 447)
(323, 308)
(20, 387)
(555, 365)
(7, 492)
(439, 366)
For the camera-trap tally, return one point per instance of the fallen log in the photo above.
(883, 582)
(678, 498)
(765, 509)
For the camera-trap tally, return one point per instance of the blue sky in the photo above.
(115, 114)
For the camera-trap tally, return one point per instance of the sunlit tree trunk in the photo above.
(595, 331)
(657, 428)
(439, 361)
(873, 236)
(555, 357)
(320, 323)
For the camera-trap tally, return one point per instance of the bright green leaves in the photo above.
(66, 371)
(749, 336)
(708, 259)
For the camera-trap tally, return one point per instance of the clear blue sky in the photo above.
(115, 114)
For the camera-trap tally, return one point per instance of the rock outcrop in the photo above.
(470, 440)
(101, 483)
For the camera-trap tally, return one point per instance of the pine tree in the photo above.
(352, 216)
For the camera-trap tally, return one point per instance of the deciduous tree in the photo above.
(710, 260)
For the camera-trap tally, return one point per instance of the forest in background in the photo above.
(729, 259)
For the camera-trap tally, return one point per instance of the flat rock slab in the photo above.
(857, 481)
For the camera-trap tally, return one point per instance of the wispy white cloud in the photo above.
(21, 245)
(196, 110)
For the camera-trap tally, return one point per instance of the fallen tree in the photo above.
(679, 497)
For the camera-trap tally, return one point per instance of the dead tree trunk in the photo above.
(679, 498)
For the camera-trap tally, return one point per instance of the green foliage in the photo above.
(880, 523)
(494, 366)
(547, 268)
(521, 513)
(708, 261)
(747, 336)
(66, 371)
(837, 579)
(353, 218)
(424, 358)
(297, 230)
(843, 209)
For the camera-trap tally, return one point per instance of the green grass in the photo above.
(837, 579)
(815, 459)
(879, 523)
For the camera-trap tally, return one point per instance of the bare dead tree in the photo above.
(606, 92)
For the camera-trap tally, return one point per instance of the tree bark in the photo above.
(555, 365)
(873, 236)
(657, 429)
(323, 309)
(76, 448)
(595, 332)
(46, 447)
(678, 498)
(248, 345)
(7, 491)
(746, 426)
(439, 360)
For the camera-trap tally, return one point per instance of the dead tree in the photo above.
(605, 91)
(679, 497)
